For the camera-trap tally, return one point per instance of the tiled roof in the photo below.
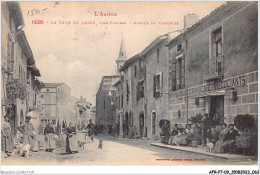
(129, 62)
(117, 82)
(53, 84)
(154, 43)
(16, 13)
(35, 71)
(112, 76)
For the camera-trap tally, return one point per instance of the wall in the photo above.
(240, 58)
(159, 104)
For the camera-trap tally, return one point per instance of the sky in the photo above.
(79, 53)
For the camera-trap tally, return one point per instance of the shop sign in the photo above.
(219, 85)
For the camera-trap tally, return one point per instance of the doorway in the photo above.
(141, 124)
(217, 107)
(126, 124)
(153, 123)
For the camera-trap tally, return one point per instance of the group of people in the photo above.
(178, 136)
(222, 137)
(28, 139)
(113, 130)
(72, 141)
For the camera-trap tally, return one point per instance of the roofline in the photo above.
(111, 76)
(16, 13)
(207, 18)
(155, 42)
(129, 62)
(118, 82)
(53, 84)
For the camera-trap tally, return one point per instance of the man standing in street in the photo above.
(91, 128)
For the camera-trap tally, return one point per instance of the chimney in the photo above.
(190, 19)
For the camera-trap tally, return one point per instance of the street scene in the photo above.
(95, 83)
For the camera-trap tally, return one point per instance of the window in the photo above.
(218, 42)
(173, 75)
(157, 85)
(118, 101)
(179, 48)
(135, 70)
(140, 90)
(158, 55)
(47, 98)
(122, 100)
(131, 119)
(181, 72)
(10, 54)
(127, 91)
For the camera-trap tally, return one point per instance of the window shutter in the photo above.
(161, 83)
(183, 72)
(174, 75)
(12, 55)
(8, 53)
(154, 85)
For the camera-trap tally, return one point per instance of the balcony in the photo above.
(213, 69)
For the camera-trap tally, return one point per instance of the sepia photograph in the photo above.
(129, 83)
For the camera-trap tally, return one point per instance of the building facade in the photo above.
(105, 101)
(20, 89)
(155, 57)
(142, 92)
(55, 102)
(106, 96)
(213, 66)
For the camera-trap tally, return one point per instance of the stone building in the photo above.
(55, 100)
(131, 92)
(105, 101)
(106, 95)
(19, 71)
(213, 65)
(155, 57)
(142, 92)
(93, 114)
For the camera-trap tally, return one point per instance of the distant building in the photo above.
(190, 19)
(56, 99)
(106, 95)
(105, 100)
(142, 92)
(83, 112)
(93, 114)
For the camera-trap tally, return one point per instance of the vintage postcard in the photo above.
(129, 83)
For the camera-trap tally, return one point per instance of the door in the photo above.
(153, 123)
(126, 124)
(141, 124)
(217, 106)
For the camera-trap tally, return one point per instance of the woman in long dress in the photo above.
(219, 144)
(7, 138)
(49, 138)
(72, 145)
